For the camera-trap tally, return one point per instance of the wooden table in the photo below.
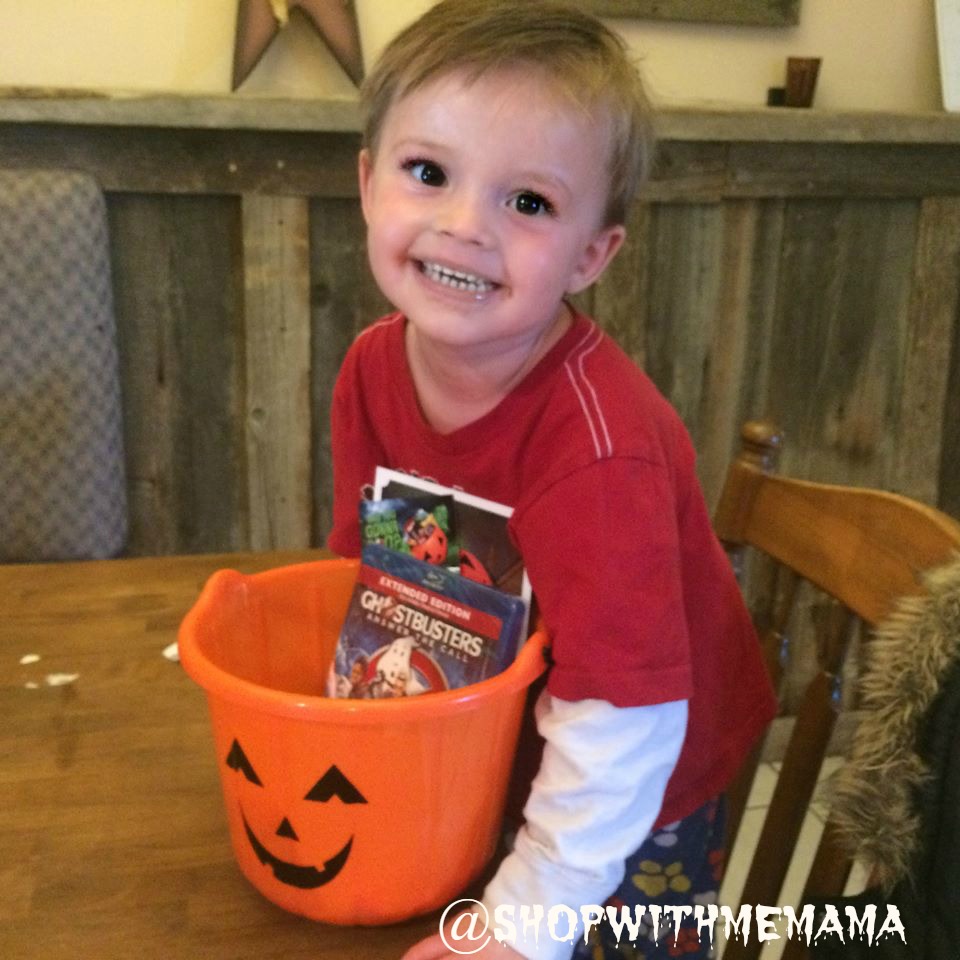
(113, 838)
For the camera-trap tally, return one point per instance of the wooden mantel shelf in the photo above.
(223, 112)
(709, 122)
(783, 124)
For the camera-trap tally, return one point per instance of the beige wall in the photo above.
(878, 54)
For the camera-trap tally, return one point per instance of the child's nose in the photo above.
(464, 217)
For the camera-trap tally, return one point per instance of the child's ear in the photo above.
(596, 256)
(364, 175)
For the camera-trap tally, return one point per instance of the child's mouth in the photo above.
(456, 279)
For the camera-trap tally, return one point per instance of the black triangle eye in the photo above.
(334, 784)
(237, 760)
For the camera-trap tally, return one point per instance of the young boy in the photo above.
(503, 147)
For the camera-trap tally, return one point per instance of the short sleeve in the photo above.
(355, 452)
(602, 550)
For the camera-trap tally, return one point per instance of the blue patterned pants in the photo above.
(679, 864)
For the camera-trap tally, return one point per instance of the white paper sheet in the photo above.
(948, 35)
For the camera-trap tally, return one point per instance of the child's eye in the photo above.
(532, 204)
(426, 172)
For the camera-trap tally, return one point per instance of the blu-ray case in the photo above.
(413, 628)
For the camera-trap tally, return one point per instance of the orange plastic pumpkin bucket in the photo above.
(345, 811)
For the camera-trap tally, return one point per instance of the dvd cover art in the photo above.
(422, 526)
(486, 553)
(414, 628)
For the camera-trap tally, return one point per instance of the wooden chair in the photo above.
(864, 548)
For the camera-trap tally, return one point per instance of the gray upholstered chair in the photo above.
(62, 484)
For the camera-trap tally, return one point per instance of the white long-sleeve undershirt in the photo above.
(592, 803)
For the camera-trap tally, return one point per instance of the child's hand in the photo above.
(433, 948)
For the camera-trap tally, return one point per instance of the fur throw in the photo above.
(909, 656)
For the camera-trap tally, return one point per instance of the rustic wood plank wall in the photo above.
(814, 282)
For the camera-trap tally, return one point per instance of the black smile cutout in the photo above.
(292, 874)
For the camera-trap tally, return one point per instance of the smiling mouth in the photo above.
(456, 279)
(295, 875)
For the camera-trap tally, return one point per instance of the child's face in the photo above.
(484, 206)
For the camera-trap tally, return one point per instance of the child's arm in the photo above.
(593, 802)
(356, 451)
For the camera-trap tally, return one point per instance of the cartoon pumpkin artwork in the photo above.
(333, 784)
(425, 538)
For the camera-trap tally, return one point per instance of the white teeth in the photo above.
(456, 278)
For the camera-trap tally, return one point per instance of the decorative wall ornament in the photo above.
(259, 21)
(772, 13)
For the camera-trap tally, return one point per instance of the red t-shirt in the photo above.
(635, 590)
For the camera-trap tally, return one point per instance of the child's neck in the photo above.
(455, 388)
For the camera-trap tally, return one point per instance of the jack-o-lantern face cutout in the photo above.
(332, 784)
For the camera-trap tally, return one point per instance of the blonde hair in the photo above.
(587, 63)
